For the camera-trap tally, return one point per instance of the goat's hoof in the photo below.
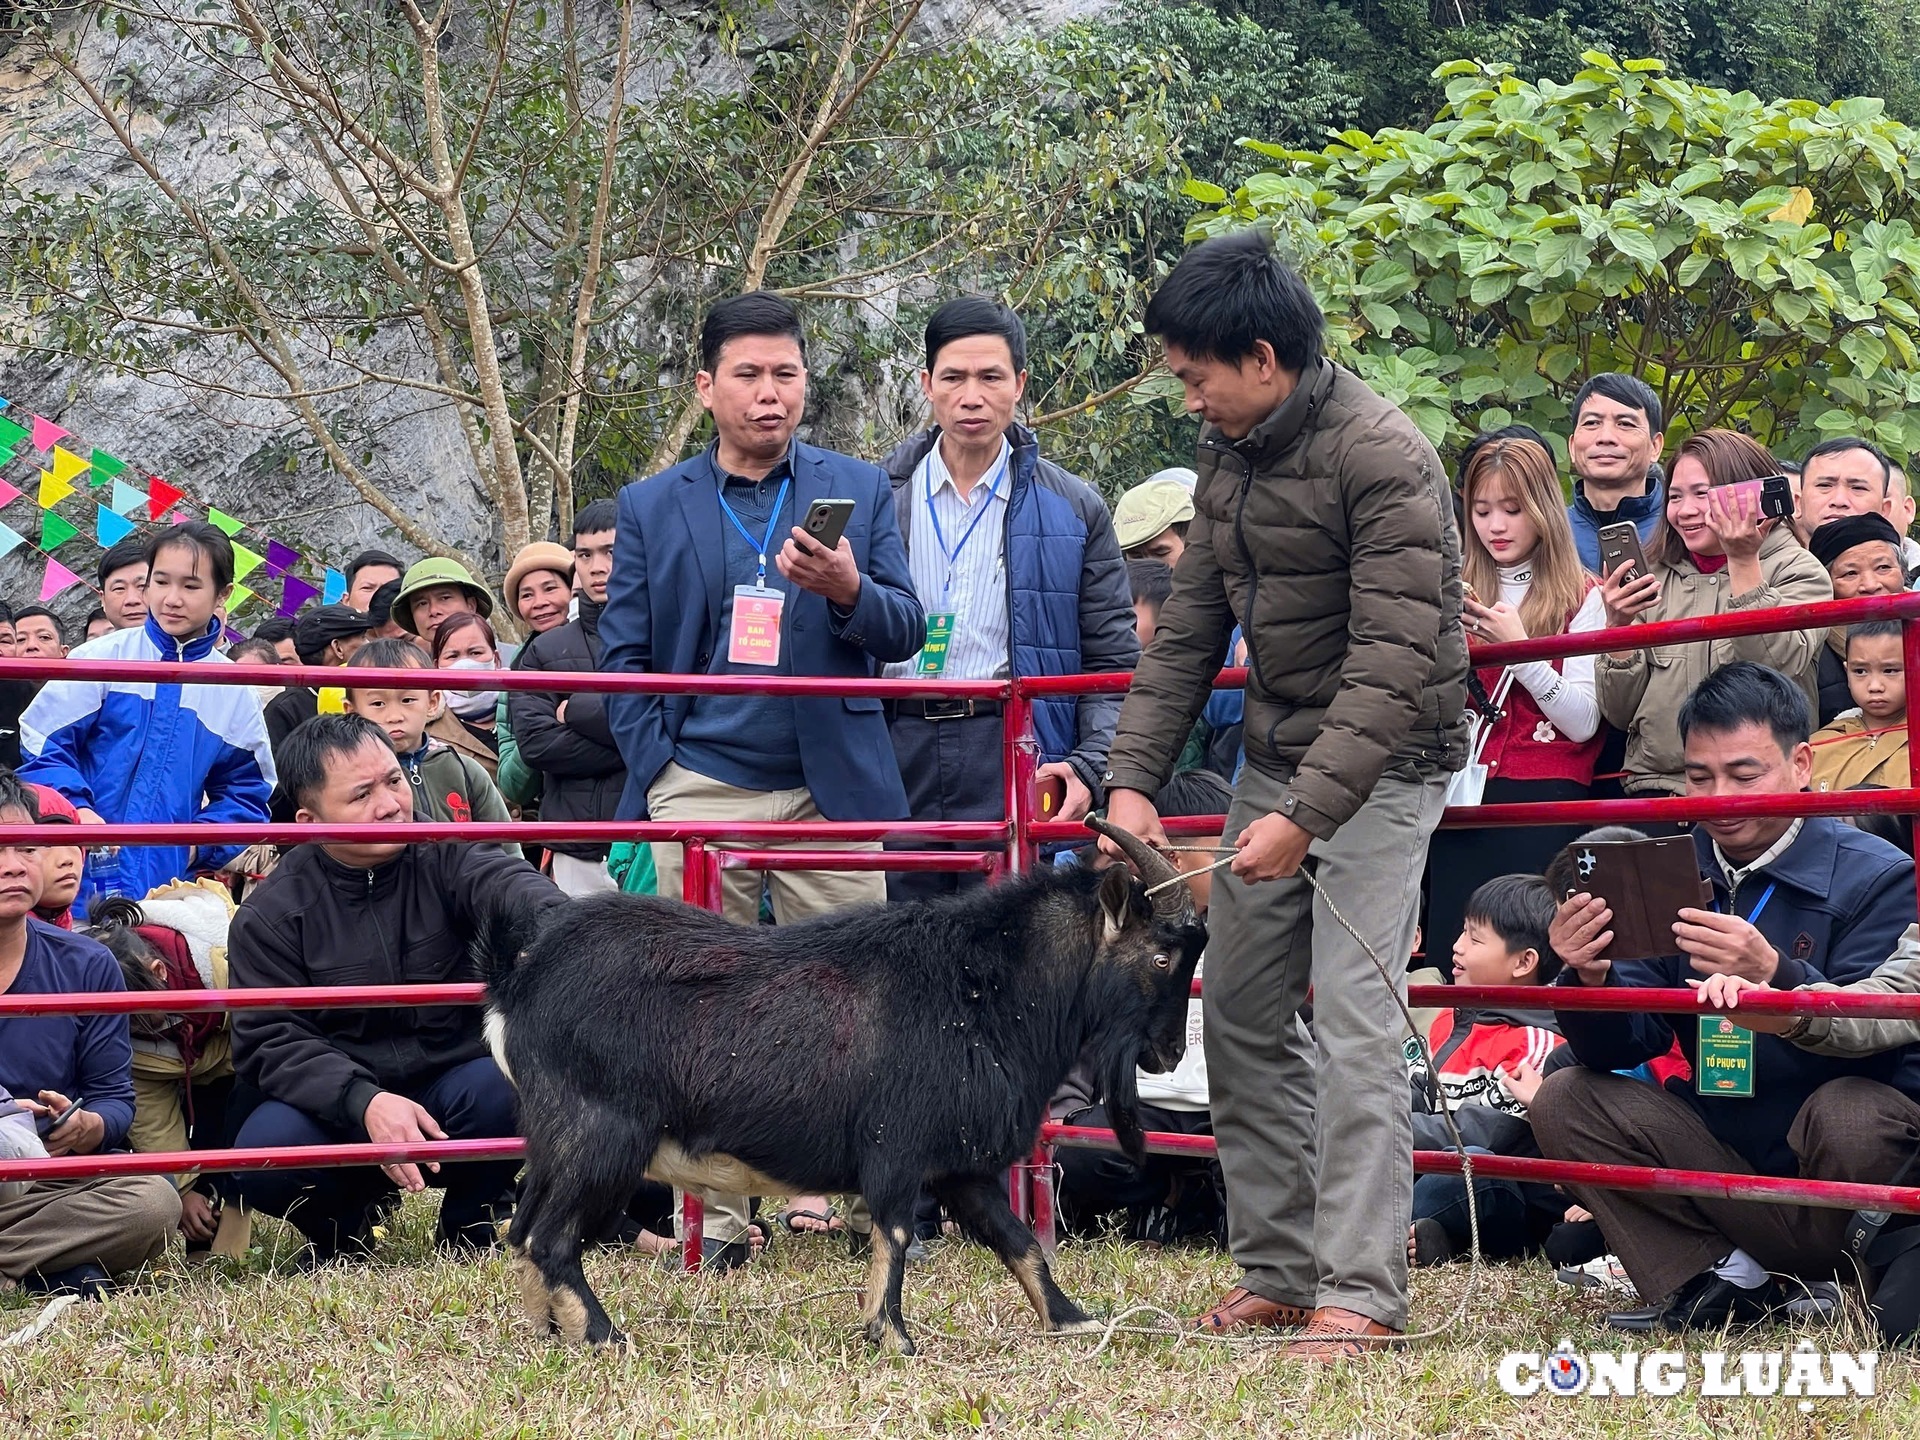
(1085, 1325)
(886, 1337)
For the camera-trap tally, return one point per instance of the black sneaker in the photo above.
(89, 1282)
(1431, 1245)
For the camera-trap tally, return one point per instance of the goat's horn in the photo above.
(1174, 903)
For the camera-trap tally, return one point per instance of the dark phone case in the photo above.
(835, 521)
(1646, 883)
(1614, 549)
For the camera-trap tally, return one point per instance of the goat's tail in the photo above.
(508, 933)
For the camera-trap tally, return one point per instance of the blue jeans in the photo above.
(1502, 1205)
(332, 1206)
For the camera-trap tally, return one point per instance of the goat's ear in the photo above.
(1116, 901)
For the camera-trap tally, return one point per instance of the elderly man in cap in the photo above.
(1862, 556)
(1151, 520)
(434, 589)
(324, 635)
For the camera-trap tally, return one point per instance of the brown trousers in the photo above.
(117, 1222)
(1848, 1129)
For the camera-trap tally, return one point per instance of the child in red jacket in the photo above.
(1488, 1064)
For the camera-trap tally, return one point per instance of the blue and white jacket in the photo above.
(151, 754)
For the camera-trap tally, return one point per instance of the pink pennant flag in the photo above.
(57, 579)
(46, 434)
(8, 493)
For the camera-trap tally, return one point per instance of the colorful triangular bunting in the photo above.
(105, 466)
(293, 595)
(228, 525)
(281, 558)
(336, 587)
(111, 528)
(8, 493)
(161, 497)
(240, 596)
(11, 434)
(46, 434)
(245, 562)
(57, 578)
(52, 490)
(125, 497)
(66, 464)
(55, 531)
(10, 539)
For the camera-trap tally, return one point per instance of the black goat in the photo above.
(870, 1051)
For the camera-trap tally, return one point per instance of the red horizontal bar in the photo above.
(903, 861)
(1112, 682)
(1660, 1002)
(1820, 615)
(1766, 1189)
(279, 1157)
(174, 672)
(959, 832)
(285, 997)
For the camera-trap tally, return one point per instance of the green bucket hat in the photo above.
(429, 573)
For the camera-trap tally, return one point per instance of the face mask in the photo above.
(472, 704)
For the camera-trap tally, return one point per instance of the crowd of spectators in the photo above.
(966, 554)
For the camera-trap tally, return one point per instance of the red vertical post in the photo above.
(696, 865)
(1021, 759)
(1910, 646)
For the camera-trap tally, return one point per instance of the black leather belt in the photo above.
(946, 709)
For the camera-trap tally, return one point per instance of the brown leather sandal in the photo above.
(1335, 1334)
(1244, 1310)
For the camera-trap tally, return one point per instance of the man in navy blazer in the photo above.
(713, 575)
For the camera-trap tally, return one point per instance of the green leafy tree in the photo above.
(1756, 263)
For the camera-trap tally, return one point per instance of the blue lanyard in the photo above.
(952, 556)
(1765, 895)
(773, 524)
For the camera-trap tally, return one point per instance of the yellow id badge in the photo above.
(754, 638)
(933, 654)
(1723, 1062)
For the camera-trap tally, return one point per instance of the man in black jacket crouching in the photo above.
(393, 914)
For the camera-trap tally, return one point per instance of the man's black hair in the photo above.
(1519, 909)
(122, 555)
(598, 518)
(1626, 390)
(27, 612)
(305, 754)
(372, 557)
(1875, 630)
(1747, 693)
(273, 630)
(96, 613)
(209, 542)
(6, 613)
(1228, 293)
(14, 795)
(1151, 582)
(1842, 443)
(966, 315)
(758, 312)
(380, 603)
(1194, 792)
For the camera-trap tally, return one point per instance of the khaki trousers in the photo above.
(159, 1117)
(678, 793)
(117, 1222)
(1319, 1178)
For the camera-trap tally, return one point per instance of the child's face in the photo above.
(60, 876)
(403, 714)
(1877, 678)
(1481, 957)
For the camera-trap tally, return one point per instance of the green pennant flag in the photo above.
(105, 466)
(11, 434)
(226, 522)
(55, 532)
(245, 562)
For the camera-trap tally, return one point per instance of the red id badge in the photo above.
(755, 636)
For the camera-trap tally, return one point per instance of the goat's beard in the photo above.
(1119, 1085)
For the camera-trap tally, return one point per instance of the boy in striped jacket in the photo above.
(1487, 1064)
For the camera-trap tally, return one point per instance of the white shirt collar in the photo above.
(1735, 874)
(938, 476)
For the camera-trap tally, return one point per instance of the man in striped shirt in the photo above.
(1017, 567)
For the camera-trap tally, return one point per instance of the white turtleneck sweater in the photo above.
(1565, 696)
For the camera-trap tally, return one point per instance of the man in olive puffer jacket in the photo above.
(1323, 527)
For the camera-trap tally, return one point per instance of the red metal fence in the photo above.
(711, 846)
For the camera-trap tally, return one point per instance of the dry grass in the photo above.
(418, 1346)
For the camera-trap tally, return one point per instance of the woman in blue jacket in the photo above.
(141, 754)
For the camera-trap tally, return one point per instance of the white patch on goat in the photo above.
(671, 1165)
(496, 1033)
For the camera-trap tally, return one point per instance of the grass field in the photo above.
(415, 1346)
